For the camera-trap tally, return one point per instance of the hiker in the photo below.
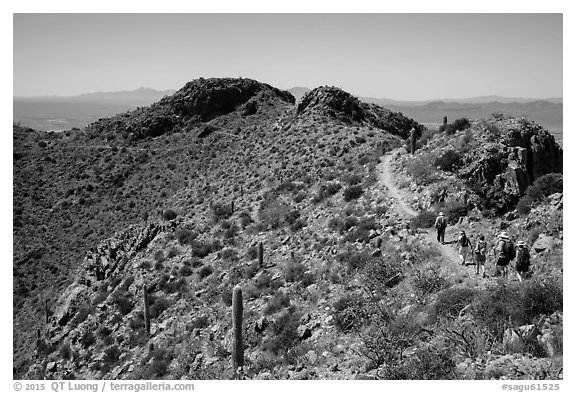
(480, 256)
(522, 261)
(440, 226)
(504, 253)
(463, 247)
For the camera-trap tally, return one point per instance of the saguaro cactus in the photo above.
(46, 310)
(260, 254)
(412, 141)
(445, 121)
(237, 341)
(146, 310)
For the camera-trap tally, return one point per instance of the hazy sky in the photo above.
(399, 56)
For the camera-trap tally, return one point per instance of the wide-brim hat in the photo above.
(520, 243)
(440, 214)
(504, 235)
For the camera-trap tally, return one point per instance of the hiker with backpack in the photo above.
(504, 253)
(463, 247)
(522, 261)
(440, 225)
(480, 256)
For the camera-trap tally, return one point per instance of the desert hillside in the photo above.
(320, 211)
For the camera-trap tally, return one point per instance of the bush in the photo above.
(272, 212)
(283, 332)
(349, 313)
(276, 303)
(451, 301)
(185, 236)
(449, 160)
(457, 125)
(453, 210)
(326, 190)
(221, 211)
(544, 186)
(426, 364)
(158, 305)
(427, 282)
(293, 271)
(352, 192)
(169, 214)
(121, 300)
(424, 219)
(205, 271)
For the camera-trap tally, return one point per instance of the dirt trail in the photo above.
(386, 179)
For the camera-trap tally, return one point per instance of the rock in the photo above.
(511, 216)
(261, 324)
(376, 253)
(543, 243)
(304, 332)
(51, 367)
(329, 320)
(311, 356)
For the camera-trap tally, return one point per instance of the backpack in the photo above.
(441, 222)
(523, 258)
(463, 241)
(480, 248)
(508, 249)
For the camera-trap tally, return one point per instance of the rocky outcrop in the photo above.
(341, 105)
(198, 101)
(502, 170)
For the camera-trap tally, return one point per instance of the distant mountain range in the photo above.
(547, 112)
(139, 97)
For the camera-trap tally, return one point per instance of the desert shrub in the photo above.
(230, 229)
(543, 186)
(457, 125)
(161, 359)
(87, 339)
(421, 168)
(276, 303)
(293, 270)
(176, 285)
(272, 212)
(353, 260)
(65, 351)
(81, 314)
(205, 271)
(380, 274)
(362, 231)
(449, 160)
(518, 303)
(221, 211)
(426, 364)
(299, 224)
(300, 196)
(452, 300)
(427, 282)
(173, 252)
(353, 179)
(169, 214)
(326, 190)
(245, 219)
(137, 323)
(283, 332)
(201, 249)
(292, 216)
(186, 270)
(121, 299)
(453, 210)
(158, 305)
(185, 236)
(352, 192)
(424, 219)
(349, 313)
(469, 339)
(111, 354)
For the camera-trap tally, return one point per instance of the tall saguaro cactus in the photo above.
(445, 121)
(260, 254)
(412, 140)
(237, 340)
(146, 310)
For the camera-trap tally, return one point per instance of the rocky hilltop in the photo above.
(290, 203)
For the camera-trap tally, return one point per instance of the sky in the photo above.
(399, 56)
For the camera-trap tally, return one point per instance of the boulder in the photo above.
(543, 243)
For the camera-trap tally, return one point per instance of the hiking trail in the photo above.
(386, 179)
